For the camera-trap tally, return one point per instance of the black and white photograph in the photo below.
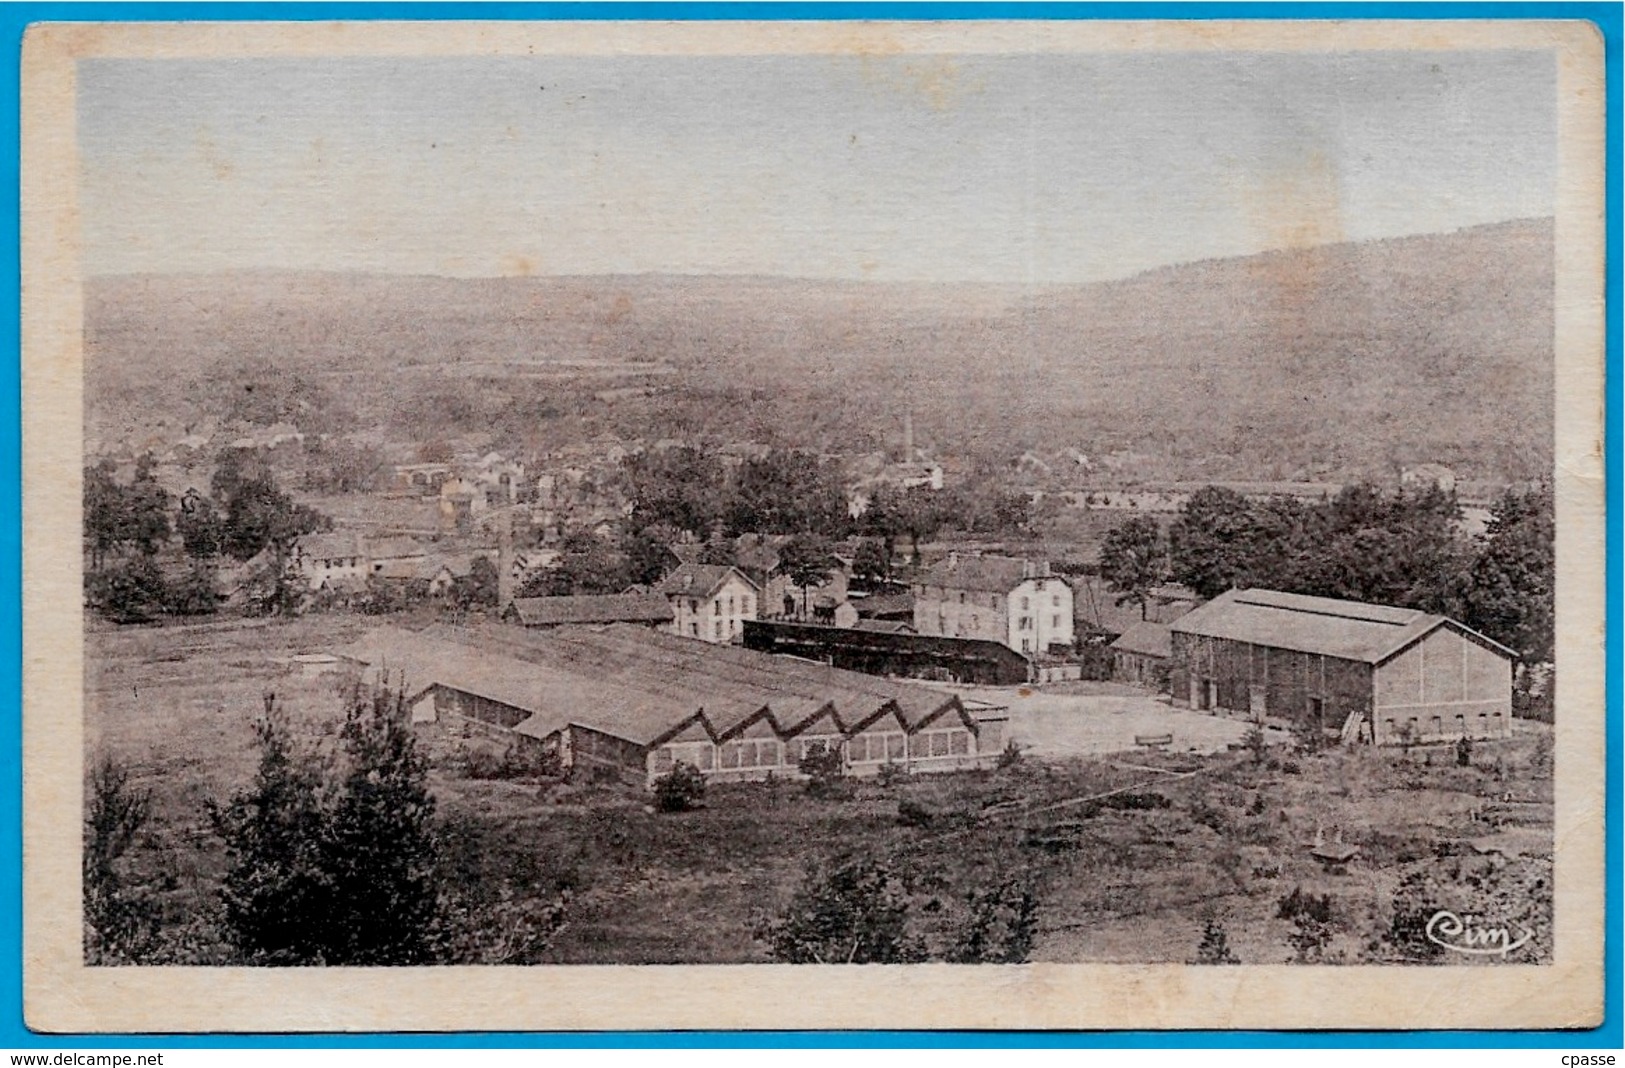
(964, 495)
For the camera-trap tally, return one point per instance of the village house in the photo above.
(997, 598)
(710, 601)
(327, 561)
(1372, 672)
(624, 703)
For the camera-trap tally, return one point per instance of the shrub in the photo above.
(853, 912)
(1464, 752)
(1214, 948)
(1009, 756)
(1290, 767)
(1001, 926)
(120, 925)
(1257, 743)
(825, 770)
(680, 789)
(891, 774)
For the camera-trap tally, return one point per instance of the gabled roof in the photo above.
(1348, 630)
(987, 574)
(1146, 638)
(338, 544)
(393, 548)
(608, 608)
(699, 580)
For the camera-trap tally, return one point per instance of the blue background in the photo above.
(14, 18)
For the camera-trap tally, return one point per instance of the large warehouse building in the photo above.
(1375, 673)
(632, 703)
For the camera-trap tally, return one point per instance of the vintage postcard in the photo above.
(608, 525)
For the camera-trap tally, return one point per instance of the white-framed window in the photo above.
(1055, 600)
(716, 607)
(1055, 622)
(1026, 645)
(1024, 604)
(717, 630)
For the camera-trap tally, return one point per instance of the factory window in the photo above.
(1026, 645)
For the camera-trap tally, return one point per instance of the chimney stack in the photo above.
(505, 561)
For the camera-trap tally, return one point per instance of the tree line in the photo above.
(132, 529)
(1405, 549)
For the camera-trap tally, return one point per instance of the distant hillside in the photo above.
(1352, 356)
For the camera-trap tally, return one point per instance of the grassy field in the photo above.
(1216, 837)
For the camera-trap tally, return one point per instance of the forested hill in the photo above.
(1350, 356)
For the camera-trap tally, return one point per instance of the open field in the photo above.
(1209, 834)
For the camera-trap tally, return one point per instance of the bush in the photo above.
(1257, 743)
(825, 771)
(855, 912)
(680, 789)
(1464, 752)
(1214, 948)
(891, 774)
(1009, 756)
(120, 924)
(1312, 919)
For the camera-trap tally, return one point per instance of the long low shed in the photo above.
(633, 702)
(1373, 672)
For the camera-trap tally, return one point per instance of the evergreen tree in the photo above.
(380, 851)
(276, 893)
(119, 925)
(1511, 595)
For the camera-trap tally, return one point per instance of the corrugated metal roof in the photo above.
(1348, 630)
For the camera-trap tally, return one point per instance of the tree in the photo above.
(1133, 561)
(257, 515)
(201, 527)
(871, 562)
(276, 893)
(807, 560)
(103, 512)
(1211, 543)
(854, 912)
(1512, 581)
(193, 594)
(480, 587)
(119, 924)
(380, 852)
(131, 591)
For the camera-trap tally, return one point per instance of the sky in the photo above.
(1037, 169)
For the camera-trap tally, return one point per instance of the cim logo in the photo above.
(1458, 935)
